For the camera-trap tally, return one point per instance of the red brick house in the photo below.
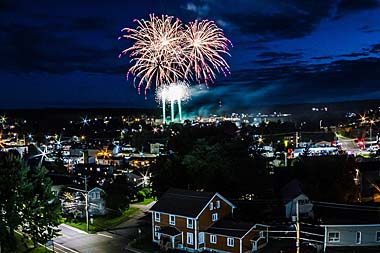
(197, 221)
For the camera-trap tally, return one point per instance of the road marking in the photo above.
(66, 248)
(72, 228)
(56, 249)
(105, 235)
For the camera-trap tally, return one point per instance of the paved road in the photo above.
(115, 240)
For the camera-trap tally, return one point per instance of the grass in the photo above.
(21, 248)
(103, 223)
(145, 201)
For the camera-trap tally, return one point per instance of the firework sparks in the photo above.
(174, 92)
(205, 44)
(156, 51)
(166, 51)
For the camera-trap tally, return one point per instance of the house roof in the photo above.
(171, 231)
(182, 202)
(342, 214)
(230, 227)
(291, 190)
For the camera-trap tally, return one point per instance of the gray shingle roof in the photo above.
(182, 202)
(230, 227)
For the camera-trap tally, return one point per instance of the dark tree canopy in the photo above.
(26, 200)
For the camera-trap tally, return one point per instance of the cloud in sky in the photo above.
(284, 51)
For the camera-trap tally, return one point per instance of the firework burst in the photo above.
(205, 44)
(174, 92)
(156, 52)
(166, 51)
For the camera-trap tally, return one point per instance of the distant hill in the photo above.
(303, 111)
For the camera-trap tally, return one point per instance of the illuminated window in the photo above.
(157, 216)
(358, 237)
(211, 206)
(189, 238)
(213, 239)
(218, 204)
(201, 237)
(334, 236)
(214, 216)
(230, 241)
(189, 223)
(171, 219)
(156, 231)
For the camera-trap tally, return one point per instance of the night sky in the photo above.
(65, 53)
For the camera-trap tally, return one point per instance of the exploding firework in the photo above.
(156, 52)
(205, 44)
(166, 51)
(174, 92)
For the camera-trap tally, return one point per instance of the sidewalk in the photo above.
(134, 218)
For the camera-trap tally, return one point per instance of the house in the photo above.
(197, 221)
(96, 201)
(73, 201)
(228, 235)
(292, 193)
(350, 227)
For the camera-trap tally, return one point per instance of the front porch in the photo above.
(170, 238)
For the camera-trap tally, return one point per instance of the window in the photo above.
(213, 239)
(189, 238)
(334, 236)
(156, 216)
(262, 234)
(171, 219)
(214, 216)
(358, 237)
(156, 231)
(218, 204)
(230, 241)
(211, 206)
(201, 237)
(190, 223)
(97, 195)
(377, 236)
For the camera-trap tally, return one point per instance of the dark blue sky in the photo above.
(64, 53)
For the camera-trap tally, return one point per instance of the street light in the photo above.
(370, 129)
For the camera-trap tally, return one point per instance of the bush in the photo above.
(140, 195)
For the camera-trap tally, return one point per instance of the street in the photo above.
(73, 240)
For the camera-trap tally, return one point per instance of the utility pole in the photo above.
(86, 196)
(297, 228)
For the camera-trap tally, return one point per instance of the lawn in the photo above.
(103, 223)
(21, 248)
(145, 201)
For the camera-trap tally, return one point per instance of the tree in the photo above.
(26, 201)
(41, 213)
(13, 186)
(327, 178)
